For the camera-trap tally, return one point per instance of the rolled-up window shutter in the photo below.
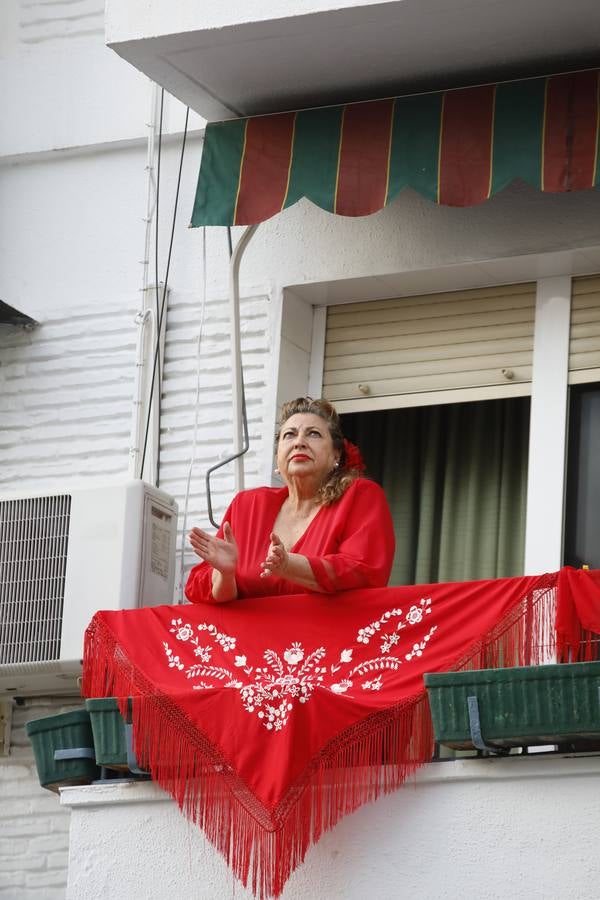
(584, 343)
(437, 348)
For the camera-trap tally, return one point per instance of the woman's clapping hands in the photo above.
(220, 553)
(277, 558)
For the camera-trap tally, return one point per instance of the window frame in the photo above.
(303, 326)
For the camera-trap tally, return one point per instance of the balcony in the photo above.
(479, 828)
(246, 58)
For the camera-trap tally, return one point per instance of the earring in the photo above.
(276, 471)
(337, 464)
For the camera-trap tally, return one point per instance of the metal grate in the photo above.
(34, 535)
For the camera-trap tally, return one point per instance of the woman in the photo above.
(327, 530)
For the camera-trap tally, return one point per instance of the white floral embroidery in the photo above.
(275, 717)
(200, 671)
(414, 615)
(345, 657)
(226, 642)
(418, 648)
(182, 632)
(276, 682)
(272, 690)
(365, 634)
(388, 641)
(341, 687)
(174, 661)
(294, 654)
(377, 664)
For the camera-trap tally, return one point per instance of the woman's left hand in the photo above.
(277, 558)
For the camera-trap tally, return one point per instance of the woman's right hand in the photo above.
(220, 553)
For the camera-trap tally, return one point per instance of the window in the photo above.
(582, 519)
(456, 479)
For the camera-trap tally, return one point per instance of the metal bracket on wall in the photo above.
(6, 712)
(132, 762)
(75, 753)
(475, 729)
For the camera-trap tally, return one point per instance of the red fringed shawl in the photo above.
(268, 719)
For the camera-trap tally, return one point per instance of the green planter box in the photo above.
(63, 734)
(520, 706)
(108, 727)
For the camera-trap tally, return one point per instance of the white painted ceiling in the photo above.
(362, 52)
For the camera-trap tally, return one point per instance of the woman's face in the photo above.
(305, 448)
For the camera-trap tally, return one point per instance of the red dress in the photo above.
(349, 544)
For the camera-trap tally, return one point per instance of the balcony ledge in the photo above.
(480, 827)
(511, 768)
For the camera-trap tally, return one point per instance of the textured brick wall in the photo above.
(66, 395)
(214, 432)
(34, 829)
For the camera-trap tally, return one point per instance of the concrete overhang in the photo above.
(9, 315)
(247, 57)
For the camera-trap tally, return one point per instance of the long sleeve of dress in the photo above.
(365, 551)
(198, 588)
(349, 544)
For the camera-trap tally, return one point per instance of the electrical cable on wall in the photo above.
(164, 291)
(160, 311)
(196, 417)
(156, 286)
(223, 462)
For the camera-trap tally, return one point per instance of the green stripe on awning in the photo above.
(512, 142)
(415, 145)
(518, 131)
(315, 157)
(219, 176)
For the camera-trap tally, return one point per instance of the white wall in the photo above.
(34, 828)
(159, 16)
(414, 234)
(65, 88)
(466, 830)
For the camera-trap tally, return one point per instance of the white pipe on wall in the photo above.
(236, 352)
(140, 399)
(142, 319)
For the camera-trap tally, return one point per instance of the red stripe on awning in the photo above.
(265, 167)
(570, 132)
(466, 146)
(364, 158)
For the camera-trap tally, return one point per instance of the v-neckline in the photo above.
(292, 549)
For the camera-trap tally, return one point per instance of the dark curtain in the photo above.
(456, 479)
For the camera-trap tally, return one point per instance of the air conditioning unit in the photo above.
(65, 555)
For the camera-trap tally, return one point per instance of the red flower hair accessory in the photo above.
(353, 458)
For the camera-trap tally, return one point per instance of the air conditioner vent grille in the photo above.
(34, 534)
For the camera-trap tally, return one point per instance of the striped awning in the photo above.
(455, 147)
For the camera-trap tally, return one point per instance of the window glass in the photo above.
(582, 520)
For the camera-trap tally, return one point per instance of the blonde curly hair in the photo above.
(339, 479)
